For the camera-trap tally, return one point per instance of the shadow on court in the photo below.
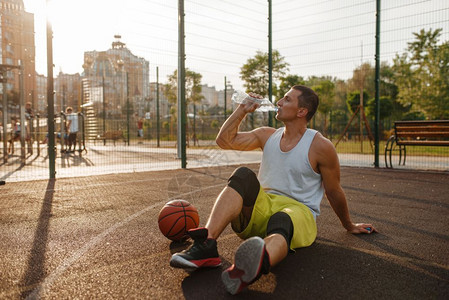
(97, 237)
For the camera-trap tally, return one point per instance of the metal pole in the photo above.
(63, 97)
(104, 110)
(158, 125)
(225, 88)
(194, 124)
(5, 116)
(23, 131)
(181, 87)
(270, 62)
(127, 107)
(376, 85)
(51, 101)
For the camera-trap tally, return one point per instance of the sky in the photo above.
(316, 37)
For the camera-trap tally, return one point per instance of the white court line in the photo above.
(67, 263)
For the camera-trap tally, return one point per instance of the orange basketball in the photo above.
(176, 218)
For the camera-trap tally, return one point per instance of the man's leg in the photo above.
(228, 205)
(72, 141)
(255, 256)
(226, 208)
(203, 252)
(67, 141)
(279, 236)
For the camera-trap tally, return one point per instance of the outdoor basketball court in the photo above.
(97, 237)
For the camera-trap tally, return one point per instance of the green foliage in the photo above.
(386, 108)
(340, 116)
(353, 100)
(286, 83)
(214, 124)
(255, 71)
(414, 115)
(316, 80)
(339, 119)
(387, 85)
(326, 93)
(422, 75)
(192, 90)
(341, 90)
(192, 86)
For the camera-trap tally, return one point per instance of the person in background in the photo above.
(140, 128)
(15, 134)
(29, 116)
(72, 129)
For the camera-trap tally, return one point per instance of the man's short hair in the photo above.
(308, 99)
(69, 108)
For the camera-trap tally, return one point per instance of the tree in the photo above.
(386, 108)
(326, 94)
(353, 100)
(422, 75)
(286, 83)
(316, 80)
(362, 80)
(192, 85)
(192, 88)
(255, 71)
(387, 86)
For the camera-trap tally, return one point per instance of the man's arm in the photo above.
(229, 136)
(329, 167)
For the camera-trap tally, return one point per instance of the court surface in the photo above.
(97, 237)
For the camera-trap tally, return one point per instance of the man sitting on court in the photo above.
(275, 211)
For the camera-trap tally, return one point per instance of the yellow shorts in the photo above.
(304, 224)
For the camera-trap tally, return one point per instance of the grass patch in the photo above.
(354, 147)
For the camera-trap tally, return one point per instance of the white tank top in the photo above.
(290, 173)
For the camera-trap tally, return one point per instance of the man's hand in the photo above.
(362, 228)
(250, 106)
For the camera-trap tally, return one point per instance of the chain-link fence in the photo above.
(116, 66)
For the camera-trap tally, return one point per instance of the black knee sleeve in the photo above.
(281, 223)
(245, 182)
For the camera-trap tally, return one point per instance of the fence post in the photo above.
(270, 63)
(158, 121)
(376, 84)
(181, 87)
(50, 101)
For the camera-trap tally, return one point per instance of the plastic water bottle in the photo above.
(265, 105)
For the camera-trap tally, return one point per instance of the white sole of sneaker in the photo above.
(179, 262)
(248, 258)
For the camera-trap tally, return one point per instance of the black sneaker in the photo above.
(250, 262)
(203, 252)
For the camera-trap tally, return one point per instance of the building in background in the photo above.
(41, 95)
(67, 92)
(121, 75)
(210, 96)
(17, 44)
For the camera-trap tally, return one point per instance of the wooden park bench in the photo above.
(415, 133)
(112, 135)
